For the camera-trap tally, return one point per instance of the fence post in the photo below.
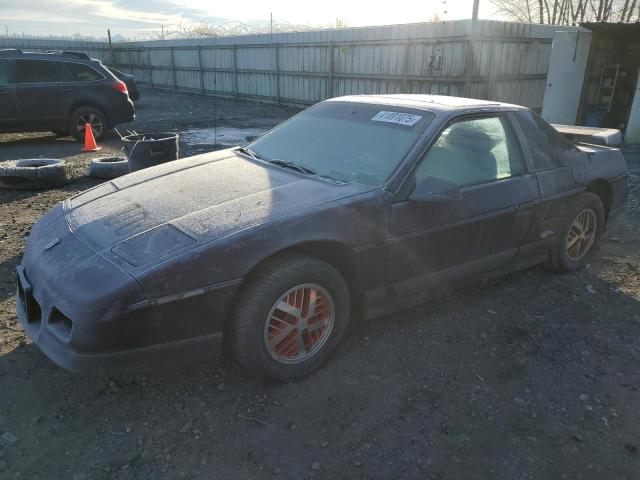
(201, 70)
(113, 58)
(173, 69)
(331, 70)
(277, 67)
(405, 73)
(235, 72)
(149, 66)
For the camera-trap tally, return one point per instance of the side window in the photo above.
(4, 72)
(36, 71)
(548, 147)
(83, 73)
(472, 151)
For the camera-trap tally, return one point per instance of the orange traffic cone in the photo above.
(89, 142)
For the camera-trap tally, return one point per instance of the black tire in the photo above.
(559, 259)
(259, 296)
(108, 167)
(33, 174)
(91, 114)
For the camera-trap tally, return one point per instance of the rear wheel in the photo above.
(94, 117)
(577, 243)
(290, 317)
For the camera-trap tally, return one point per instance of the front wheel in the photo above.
(577, 242)
(290, 317)
(94, 117)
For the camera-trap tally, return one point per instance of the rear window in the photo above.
(547, 146)
(83, 73)
(4, 72)
(36, 71)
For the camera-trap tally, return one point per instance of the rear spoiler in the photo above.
(600, 136)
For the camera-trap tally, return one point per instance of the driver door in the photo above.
(437, 243)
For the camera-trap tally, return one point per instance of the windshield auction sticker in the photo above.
(399, 118)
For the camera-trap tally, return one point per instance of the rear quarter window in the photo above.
(547, 146)
(83, 73)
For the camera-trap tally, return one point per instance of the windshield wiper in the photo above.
(282, 163)
(293, 166)
(248, 151)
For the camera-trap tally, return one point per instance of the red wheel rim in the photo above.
(299, 323)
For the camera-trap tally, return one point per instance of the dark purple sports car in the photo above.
(357, 206)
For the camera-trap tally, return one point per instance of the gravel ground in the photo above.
(534, 375)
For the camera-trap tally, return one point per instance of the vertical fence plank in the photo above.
(331, 49)
(468, 65)
(235, 72)
(277, 71)
(405, 73)
(149, 67)
(201, 70)
(490, 65)
(173, 69)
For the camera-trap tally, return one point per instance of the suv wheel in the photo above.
(290, 317)
(83, 115)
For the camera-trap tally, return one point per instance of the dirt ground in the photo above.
(534, 375)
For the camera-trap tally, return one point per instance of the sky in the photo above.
(132, 18)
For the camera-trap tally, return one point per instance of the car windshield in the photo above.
(346, 141)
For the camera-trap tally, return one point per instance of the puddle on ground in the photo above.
(226, 136)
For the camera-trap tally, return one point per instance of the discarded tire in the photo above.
(33, 174)
(109, 167)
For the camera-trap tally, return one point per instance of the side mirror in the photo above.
(434, 189)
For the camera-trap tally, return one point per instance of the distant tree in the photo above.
(569, 12)
(340, 23)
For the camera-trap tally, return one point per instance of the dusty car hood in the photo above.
(163, 211)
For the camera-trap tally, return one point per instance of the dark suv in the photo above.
(60, 92)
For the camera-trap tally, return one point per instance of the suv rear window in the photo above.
(83, 73)
(36, 71)
(4, 72)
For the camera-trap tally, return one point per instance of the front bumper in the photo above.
(54, 339)
(86, 314)
(174, 354)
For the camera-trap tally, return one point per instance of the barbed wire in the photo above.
(199, 30)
